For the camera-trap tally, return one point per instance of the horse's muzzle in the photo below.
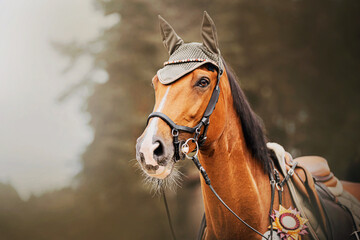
(155, 155)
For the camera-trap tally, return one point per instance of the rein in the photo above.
(199, 140)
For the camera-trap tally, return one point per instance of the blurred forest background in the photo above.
(297, 61)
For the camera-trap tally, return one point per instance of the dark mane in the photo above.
(251, 124)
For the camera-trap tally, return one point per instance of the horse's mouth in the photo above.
(162, 172)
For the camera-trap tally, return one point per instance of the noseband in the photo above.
(204, 122)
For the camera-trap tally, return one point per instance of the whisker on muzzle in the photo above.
(171, 182)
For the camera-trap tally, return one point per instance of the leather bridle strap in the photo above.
(171, 123)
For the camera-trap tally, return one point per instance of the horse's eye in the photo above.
(203, 82)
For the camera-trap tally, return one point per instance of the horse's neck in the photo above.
(239, 180)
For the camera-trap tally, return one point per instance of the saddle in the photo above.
(337, 219)
(318, 194)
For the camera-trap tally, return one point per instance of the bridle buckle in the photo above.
(175, 132)
(197, 133)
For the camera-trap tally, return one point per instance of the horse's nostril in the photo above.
(159, 151)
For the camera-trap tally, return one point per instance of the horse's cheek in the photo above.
(217, 122)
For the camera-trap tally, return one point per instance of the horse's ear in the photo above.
(170, 39)
(209, 35)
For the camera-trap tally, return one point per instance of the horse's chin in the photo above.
(166, 177)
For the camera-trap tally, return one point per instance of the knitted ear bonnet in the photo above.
(186, 57)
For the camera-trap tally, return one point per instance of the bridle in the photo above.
(200, 139)
(204, 122)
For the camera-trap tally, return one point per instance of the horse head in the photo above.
(186, 91)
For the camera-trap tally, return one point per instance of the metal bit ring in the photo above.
(185, 148)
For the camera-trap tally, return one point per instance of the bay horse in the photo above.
(228, 140)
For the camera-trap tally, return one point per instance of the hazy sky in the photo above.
(41, 139)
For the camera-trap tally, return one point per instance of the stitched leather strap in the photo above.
(171, 123)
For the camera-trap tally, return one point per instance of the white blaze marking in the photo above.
(147, 146)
